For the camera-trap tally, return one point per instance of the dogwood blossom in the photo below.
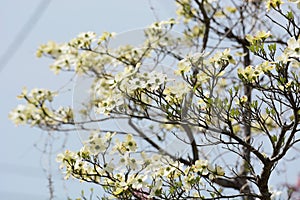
(201, 100)
(155, 173)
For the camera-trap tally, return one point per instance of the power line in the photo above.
(23, 33)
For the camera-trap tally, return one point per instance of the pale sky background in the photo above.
(21, 163)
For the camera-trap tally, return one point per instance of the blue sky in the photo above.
(22, 160)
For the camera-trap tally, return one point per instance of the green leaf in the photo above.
(274, 138)
(267, 111)
(236, 88)
(290, 15)
(272, 47)
(254, 104)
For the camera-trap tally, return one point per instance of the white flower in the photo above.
(293, 49)
(183, 67)
(136, 83)
(156, 79)
(140, 182)
(130, 143)
(177, 91)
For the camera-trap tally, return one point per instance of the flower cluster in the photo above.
(107, 97)
(83, 40)
(159, 36)
(260, 36)
(249, 74)
(205, 66)
(70, 57)
(128, 174)
(36, 111)
(176, 92)
(111, 93)
(54, 50)
(220, 60)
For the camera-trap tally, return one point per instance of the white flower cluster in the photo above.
(291, 54)
(78, 55)
(83, 40)
(111, 93)
(36, 111)
(124, 171)
(250, 73)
